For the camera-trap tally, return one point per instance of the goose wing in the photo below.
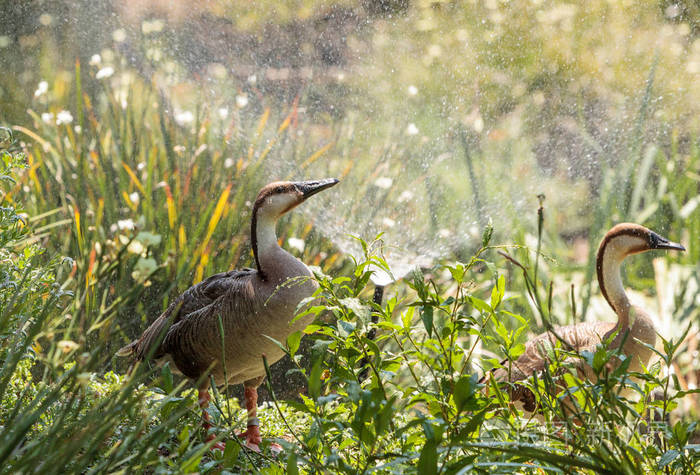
(190, 302)
(580, 337)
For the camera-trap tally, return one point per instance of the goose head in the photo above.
(626, 239)
(623, 240)
(278, 198)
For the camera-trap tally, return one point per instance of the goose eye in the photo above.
(279, 189)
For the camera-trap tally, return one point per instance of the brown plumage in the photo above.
(633, 327)
(251, 303)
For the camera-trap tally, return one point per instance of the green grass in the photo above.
(144, 199)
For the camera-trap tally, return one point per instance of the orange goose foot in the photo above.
(253, 439)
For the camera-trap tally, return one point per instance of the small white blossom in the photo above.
(154, 26)
(125, 224)
(228, 163)
(444, 233)
(412, 129)
(119, 35)
(405, 196)
(184, 118)
(47, 117)
(383, 182)
(241, 101)
(41, 89)
(412, 90)
(105, 72)
(388, 222)
(77, 129)
(296, 243)
(134, 197)
(252, 79)
(223, 112)
(64, 117)
(141, 166)
(66, 346)
(135, 247)
(95, 60)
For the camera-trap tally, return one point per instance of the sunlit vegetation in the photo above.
(134, 138)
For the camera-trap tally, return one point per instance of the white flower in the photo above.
(412, 90)
(184, 118)
(405, 196)
(105, 72)
(444, 233)
(223, 112)
(228, 163)
(66, 346)
(95, 60)
(296, 243)
(383, 182)
(47, 117)
(41, 89)
(388, 222)
(141, 166)
(252, 79)
(134, 197)
(412, 129)
(64, 117)
(119, 35)
(125, 224)
(154, 26)
(241, 101)
(135, 247)
(77, 129)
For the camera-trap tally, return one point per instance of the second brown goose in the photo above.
(252, 304)
(633, 329)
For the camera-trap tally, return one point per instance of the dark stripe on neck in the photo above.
(601, 254)
(254, 237)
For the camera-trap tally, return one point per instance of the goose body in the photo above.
(251, 304)
(633, 329)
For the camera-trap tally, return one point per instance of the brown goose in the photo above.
(633, 324)
(252, 303)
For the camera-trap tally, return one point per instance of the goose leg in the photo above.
(204, 399)
(252, 433)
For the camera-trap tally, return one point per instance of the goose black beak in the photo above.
(660, 242)
(310, 188)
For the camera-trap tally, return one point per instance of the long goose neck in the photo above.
(271, 260)
(611, 253)
(263, 236)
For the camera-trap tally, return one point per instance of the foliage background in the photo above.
(147, 128)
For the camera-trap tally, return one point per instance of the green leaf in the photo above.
(488, 233)
(231, 452)
(426, 315)
(345, 328)
(427, 464)
(360, 311)
(464, 390)
(407, 318)
(292, 468)
(293, 341)
(479, 304)
(668, 457)
(315, 379)
(166, 378)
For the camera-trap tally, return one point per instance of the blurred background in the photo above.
(149, 126)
